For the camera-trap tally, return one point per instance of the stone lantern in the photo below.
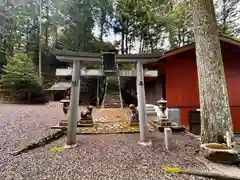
(163, 120)
(65, 108)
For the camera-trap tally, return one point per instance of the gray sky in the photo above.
(112, 37)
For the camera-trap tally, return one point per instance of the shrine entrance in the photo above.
(112, 91)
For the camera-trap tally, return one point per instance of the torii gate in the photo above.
(83, 57)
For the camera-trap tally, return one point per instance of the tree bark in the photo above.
(126, 38)
(140, 46)
(214, 103)
(122, 41)
(47, 25)
(102, 23)
(56, 36)
(29, 96)
(170, 31)
(225, 16)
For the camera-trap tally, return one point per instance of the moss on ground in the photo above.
(41, 142)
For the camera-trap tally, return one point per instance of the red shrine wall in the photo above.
(182, 83)
(154, 86)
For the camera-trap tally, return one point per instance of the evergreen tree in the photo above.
(20, 76)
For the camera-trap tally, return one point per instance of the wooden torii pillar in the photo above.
(76, 72)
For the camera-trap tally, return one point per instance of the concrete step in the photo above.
(151, 113)
(112, 105)
(152, 109)
(149, 106)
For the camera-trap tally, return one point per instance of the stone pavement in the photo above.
(225, 169)
(110, 120)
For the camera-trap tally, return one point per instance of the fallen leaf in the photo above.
(57, 149)
(171, 170)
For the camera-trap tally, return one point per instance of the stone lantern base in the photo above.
(85, 123)
(86, 118)
(63, 123)
(165, 123)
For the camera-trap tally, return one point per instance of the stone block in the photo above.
(63, 123)
(85, 122)
(174, 115)
(84, 125)
(150, 109)
(151, 113)
(167, 138)
(89, 121)
(165, 124)
(219, 153)
(149, 106)
(134, 124)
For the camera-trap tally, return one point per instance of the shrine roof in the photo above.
(69, 56)
(222, 38)
(87, 57)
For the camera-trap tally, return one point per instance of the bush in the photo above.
(21, 78)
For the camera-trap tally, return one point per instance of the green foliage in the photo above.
(127, 66)
(77, 34)
(69, 25)
(227, 12)
(178, 23)
(103, 13)
(20, 76)
(149, 21)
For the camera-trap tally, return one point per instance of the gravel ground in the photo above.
(22, 123)
(96, 157)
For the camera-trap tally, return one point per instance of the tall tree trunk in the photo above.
(151, 45)
(10, 44)
(3, 52)
(179, 35)
(47, 26)
(171, 40)
(140, 46)
(225, 16)
(214, 103)
(126, 38)
(102, 22)
(56, 36)
(130, 45)
(170, 30)
(122, 41)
